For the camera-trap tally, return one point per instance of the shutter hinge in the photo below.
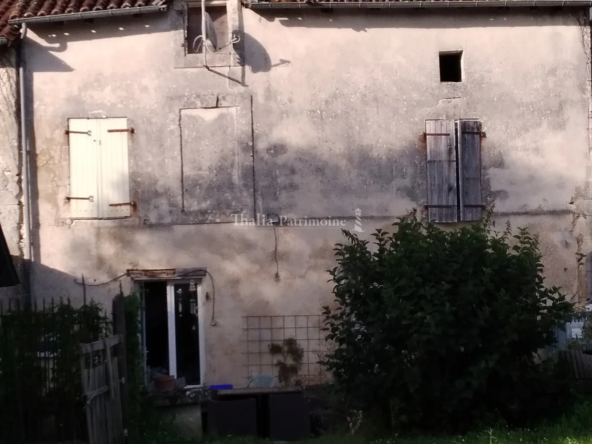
(90, 198)
(424, 136)
(88, 133)
(124, 130)
(123, 204)
(481, 133)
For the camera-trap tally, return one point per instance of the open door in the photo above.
(173, 331)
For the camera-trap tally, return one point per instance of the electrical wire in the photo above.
(101, 284)
(275, 254)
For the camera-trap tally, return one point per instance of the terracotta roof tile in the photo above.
(15, 9)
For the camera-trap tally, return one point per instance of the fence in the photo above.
(102, 388)
(40, 381)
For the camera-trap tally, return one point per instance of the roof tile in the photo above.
(15, 9)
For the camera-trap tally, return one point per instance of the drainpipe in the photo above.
(25, 169)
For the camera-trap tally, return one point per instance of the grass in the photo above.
(575, 428)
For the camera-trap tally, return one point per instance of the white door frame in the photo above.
(172, 339)
(170, 291)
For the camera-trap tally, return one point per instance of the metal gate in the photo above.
(102, 390)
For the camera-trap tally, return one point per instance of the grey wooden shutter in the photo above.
(441, 168)
(469, 156)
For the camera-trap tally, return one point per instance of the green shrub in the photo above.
(439, 330)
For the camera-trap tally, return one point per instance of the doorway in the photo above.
(173, 335)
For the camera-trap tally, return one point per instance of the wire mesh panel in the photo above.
(269, 341)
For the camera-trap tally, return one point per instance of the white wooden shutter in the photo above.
(84, 168)
(441, 171)
(469, 157)
(114, 189)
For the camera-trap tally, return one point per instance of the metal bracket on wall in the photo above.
(123, 204)
(482, 133)
(90, 198)
(424, 136)
(124, 130)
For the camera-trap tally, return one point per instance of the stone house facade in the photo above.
(217, 184)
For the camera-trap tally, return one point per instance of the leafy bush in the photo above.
(440, 329)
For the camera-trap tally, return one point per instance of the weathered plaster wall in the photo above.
(10, 212)
(328, 119)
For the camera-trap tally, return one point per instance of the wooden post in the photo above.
(119, 329)
(110, 381)
(86, 389)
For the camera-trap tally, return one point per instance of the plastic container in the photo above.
(221, 387)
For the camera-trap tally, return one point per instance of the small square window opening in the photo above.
(217, 34)
(451, 66)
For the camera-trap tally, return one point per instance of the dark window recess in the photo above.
(217, 34)
(450, 67)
